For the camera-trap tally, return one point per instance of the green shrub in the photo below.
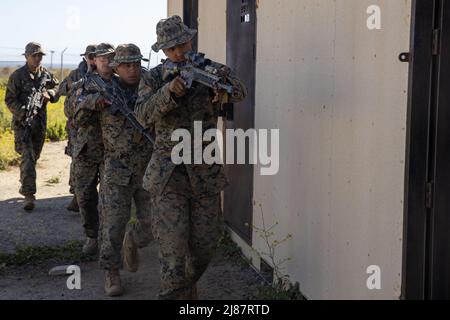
(56, 132)
(8, 155)
(56, 121)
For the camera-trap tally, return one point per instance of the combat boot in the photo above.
(130, 252)
(113, 284)
(90, 246)
(73, 205)
(29, 203)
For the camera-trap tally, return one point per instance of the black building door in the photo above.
(190, 18)
(439, 176)
(241, 56)
(427, 219)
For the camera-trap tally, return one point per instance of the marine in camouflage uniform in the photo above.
(65, 89)
(187, 219)
(18, 91)
(127, 153)
(88, 150)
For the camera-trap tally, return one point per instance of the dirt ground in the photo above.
(51, 225)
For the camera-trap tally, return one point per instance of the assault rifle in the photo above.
(197, 68)
(34, 104)
(115, 95)
(212, 74)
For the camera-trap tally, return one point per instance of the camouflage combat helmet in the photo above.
(172, 32)
(104, 49)
(127, 53)
(33, 48)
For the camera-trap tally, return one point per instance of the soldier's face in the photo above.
(130, 73)
(90, 59)
(176, 54)
(34, 61)
(102, 64)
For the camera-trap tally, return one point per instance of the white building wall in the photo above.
(338, 94)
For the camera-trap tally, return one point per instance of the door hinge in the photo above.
(436, 42)
(429, 195)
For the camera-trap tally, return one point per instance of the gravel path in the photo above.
(51, 225)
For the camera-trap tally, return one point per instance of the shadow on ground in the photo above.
(50, 224)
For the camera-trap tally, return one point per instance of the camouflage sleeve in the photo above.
(84, 107)
(12, 97)
(52, 88)
(66, 85)
(155, 99)
(240, 91)
(68, 110)
(69, 105)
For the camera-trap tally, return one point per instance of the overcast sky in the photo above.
(76, 23)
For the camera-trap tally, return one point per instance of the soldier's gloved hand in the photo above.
(46, 96)
(239, 92)
(101, 102)
(178, 87)
(52, 94)
(236, 92)
(220, 96)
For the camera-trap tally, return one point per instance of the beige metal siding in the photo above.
(212, 25)
(338, 94)
(175, 7)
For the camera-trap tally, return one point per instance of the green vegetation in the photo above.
(277, 285)
(231, 252)
(281, 290)
(69, 253)
(278, 292)
(8, 156)
(56, 123)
